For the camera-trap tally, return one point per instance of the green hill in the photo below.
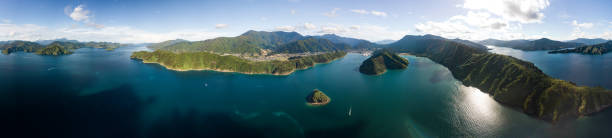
(382, 60)
(269, 40)
(250, 43)
(597, 49)
(258, 43)
(311, 45)
(510, 81)
(53, 50)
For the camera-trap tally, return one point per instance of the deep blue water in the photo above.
(97, 93)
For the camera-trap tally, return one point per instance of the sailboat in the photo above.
(350, 111)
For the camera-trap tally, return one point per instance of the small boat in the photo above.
(205, 84)
(350, 111)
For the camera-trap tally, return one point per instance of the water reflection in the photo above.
(477, 110)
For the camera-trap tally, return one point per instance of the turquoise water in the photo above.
(97, 93)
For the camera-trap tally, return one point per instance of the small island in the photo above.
(317, 98)
(597, 49)
(382, 60)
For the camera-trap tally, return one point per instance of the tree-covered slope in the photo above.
(312, 45)
(434, 37)
(249, 43)
(318, 98)
(210, 61)
(231, 45)
(510, 81)
(53, 50)
(597, 49)
(269, 40)
(382, 60)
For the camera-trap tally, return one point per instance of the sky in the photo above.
(147, 21)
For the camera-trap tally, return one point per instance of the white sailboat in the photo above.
(350, 111)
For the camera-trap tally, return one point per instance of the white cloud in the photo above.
(332, 13)
(122, 34)
(332, 29)
(286, 28)
(524, 11)
(355, 27)
(360, 11)
(500, 19)
(292, 11)
(366, 12)
(79, 14)
(220, 26)
(579, 30)
(582, 25)
(480, 19)
(379, 13)
(309, 26)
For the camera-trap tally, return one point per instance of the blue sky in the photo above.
(158, 20)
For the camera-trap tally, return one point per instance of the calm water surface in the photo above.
(97, 93)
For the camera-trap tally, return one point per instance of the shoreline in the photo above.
(230, 71)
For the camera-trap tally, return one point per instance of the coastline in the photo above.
(318, 104)
(231, 71)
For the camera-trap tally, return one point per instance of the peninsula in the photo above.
(509, 80)
(228, 63)
(597, 49)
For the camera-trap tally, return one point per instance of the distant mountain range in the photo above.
(531, 45)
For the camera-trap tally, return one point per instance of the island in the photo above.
(382, 60)
(229, 63)
(597, 49)
(317, 98)
(54, 50)
(510, 81)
